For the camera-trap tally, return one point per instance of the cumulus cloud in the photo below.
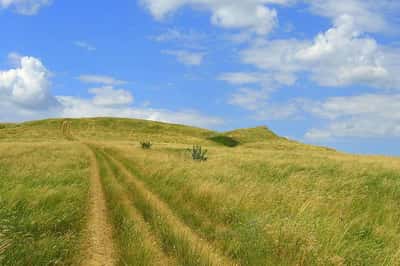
(369, 15)
(361, 116)
(187, 57)
(74, 107)
(236, 14)
(101, 79)
(25, 95)
(368, 115)
(341, 56)
(27, 85)
(108, 96)
(25, 7)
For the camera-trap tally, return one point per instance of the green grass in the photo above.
(225, 140)
(262, 206)
(176, 241)
(131, 242)
(260, 199)
(43, 195)
(248, 135)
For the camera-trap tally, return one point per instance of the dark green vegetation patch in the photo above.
(225, 140)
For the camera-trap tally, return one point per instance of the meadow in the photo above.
(259, 199)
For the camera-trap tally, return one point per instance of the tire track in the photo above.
(99, 249)
(202, 252)
(150, 241)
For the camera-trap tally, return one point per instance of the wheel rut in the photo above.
(160, 258)
(99, 249)
(201, 247)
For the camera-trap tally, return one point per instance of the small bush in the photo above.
(198, 154)
(146, 145)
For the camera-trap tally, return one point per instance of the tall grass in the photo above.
(43, 200)
(176, 239)
(131, 242)
(267, 201)
(281, 207)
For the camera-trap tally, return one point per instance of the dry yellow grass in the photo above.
(43, 201)
(277, 206)
(267, 201)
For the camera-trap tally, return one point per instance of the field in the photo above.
(84, 192)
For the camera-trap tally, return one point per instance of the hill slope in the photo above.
(120, 129)
(101, 129)
(259, 199)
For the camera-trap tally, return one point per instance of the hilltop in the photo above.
(128, 129)
(124, 129)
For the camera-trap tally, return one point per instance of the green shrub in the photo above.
(225, 140)
(146, 145)
(198, 154)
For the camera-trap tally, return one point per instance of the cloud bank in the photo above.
(25, 94)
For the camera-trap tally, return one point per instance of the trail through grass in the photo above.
(99, 249)
(137, 244)
(259, 199)
(177, 238)
(280, 208)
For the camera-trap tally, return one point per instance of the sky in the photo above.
(324, 72)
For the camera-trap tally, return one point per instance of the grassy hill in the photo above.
(106, 129)
(259, 199)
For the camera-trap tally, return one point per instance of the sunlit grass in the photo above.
(43, 200)
(266, 201)
(282, 207)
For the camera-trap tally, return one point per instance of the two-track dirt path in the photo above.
(178, 227)
(99, 249)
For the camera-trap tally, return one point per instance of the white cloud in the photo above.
(184, 38)
(369, 15)
(362, 116)
(187, 57)
(240, 78)
(75, 107)
(234, 14)
(25, 95)
(27, 85)
(274, 56)
(14, 59)
(255, 99)
(25, 7)
(101, 79)
(267, 80)
(341, 56)
(85, 45)
(108, 96)
(250, 99)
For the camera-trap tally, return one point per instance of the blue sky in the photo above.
(321, 72)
